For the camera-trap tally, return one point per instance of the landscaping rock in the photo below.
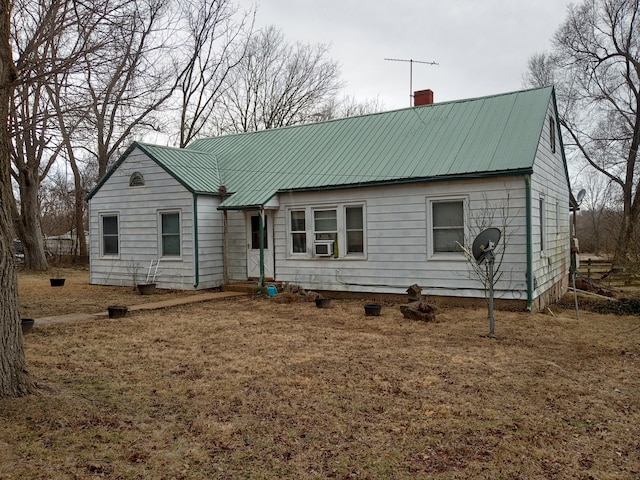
(422, 311)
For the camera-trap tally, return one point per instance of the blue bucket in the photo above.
(272, 290)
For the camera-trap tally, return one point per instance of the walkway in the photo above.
(199, 297)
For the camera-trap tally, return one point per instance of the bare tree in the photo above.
(128, 82)
(349, 106)
(594, 227)
(492, 215)
(278, 84)
(46, 41)
(14, 378)
(540, 69)
(498, 215)
(118, 91)
(32, 159)
(215, 46)
(595, 65)
(57, 203)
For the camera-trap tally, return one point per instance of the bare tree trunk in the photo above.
(79, 210)
(27, 224)
(627, 231)
(14, 379)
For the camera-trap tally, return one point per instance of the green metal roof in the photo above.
(198, 171)
(471, 138)
(468, 138)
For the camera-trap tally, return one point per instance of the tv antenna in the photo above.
(410, 61)
(483, 249)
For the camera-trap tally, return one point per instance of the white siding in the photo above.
(549, 181)
(210, 243)
(138, 211)
(397, 240)
(237, 244)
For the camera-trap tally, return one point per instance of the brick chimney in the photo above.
(422, 97)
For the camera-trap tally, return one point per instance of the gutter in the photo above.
(408, 180)
(527, 182)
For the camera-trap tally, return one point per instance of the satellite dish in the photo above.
(580, 196)
(485, 242)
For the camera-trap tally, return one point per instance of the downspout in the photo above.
(261, 236)
(196, 256)
(225, 248)
(527, 182)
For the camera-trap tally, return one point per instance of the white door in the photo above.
(253, 245)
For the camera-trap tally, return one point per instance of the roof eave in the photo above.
(403, 181)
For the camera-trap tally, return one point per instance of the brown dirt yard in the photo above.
(262, 388)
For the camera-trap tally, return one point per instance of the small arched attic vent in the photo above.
(136, 180)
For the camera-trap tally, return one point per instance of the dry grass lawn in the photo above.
(38, 299)
(257, 389)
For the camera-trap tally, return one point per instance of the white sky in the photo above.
(482, 46)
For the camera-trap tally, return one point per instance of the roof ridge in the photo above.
(371, 114)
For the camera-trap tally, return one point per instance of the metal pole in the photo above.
(575, 293)
(491, 319)
(410, 82)
(261, 236)
(411, 61)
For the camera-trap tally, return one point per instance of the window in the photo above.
(325, 224)
(170, 234)
(355, 230)
(448, 225)
(298, 232)
(110, 240)
(136, 180)
(255, 233)
(552, 134)
(542, 222)
(336, 231)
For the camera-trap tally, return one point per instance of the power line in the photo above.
(410, 61)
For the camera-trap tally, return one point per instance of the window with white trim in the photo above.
(170, 233)
(552, 134)
(325, 224)
(298, 231)
(447, 224)
(110, 235)
(354, 225)
(341, 226)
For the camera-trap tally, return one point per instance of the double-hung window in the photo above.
(110, 236)
(355, 229)
(298, 231)
(447, 222)
(170, 222)
(325, 224)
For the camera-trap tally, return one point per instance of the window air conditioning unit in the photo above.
(323, 249)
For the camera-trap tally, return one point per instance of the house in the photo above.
(65, 244)
(374, 203)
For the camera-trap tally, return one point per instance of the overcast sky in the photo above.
(481, 46)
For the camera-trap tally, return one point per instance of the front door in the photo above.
(253, 245)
